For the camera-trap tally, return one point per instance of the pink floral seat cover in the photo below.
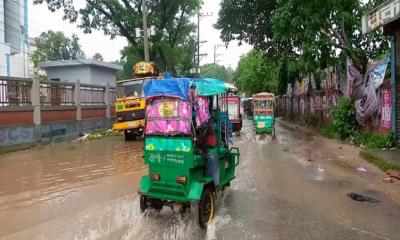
(168, 116)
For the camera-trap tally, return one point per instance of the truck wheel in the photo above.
(144, 203)
(129, 136)
(206, 207)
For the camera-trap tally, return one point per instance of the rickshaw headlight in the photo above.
(181, 179)
(155, 176)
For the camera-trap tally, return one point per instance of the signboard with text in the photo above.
(380, 16)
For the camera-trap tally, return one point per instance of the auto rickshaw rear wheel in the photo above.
(144, 203)
(156, 203)
(206, 207)
(273, 133)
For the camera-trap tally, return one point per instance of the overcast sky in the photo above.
(41, 19)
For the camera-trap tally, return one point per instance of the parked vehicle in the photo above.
(264, 113)
(248, 107)
(187, 146)
(130, 102)
(232, 103)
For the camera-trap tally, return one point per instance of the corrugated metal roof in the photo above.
(92, 62)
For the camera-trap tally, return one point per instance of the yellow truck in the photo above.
(130, 103)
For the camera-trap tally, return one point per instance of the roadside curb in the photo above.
(381, 163)
(287, 125)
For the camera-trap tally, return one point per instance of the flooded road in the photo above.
(294, 187)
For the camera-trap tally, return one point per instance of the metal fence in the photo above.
(53, 93)
(15, 92)
(92, 95)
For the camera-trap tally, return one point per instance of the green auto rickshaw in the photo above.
(264, 113)
(187, 144)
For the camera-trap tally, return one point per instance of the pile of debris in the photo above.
(97, 134)
(392, 174)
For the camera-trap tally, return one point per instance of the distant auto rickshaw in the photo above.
(187, 146)
(232, 104)
(264, 113)
(248, 107)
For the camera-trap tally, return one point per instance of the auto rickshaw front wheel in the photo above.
(206, 207)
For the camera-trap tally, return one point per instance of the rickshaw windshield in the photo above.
(264, 104)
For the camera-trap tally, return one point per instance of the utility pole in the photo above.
(216, 46)
(198, 43)
(199, 15)
(145, 31)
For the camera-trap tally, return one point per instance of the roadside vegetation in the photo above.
(346, 128)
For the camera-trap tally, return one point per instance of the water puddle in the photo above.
(362, 198)
(49, 173)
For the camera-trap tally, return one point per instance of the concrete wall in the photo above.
(34, 121)
(16, 116)
(45, 133)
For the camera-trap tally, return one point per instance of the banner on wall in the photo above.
(377, 74)
(386, 117)
(368, 104)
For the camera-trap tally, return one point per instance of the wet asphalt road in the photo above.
(294, 187)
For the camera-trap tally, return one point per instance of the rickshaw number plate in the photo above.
(261, 124)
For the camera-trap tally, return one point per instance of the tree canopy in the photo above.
(256, 72)
(98, 57)
(315, 32)
(213, 70)
(171, 19)
(54, 46)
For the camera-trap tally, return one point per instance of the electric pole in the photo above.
(198, 43)
(199, 15)
(145, 31)
(216, 46)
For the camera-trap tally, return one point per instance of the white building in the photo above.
(14, 39)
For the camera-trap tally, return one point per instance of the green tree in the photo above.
(256, 73)
(313, 32)
(171, 19)
(213, 70)
(98, 57)
(54, 46)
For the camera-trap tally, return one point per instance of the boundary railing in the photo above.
(53, 93)
(91, 95)
(15, 91)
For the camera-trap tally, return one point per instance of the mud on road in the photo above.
(294, 187)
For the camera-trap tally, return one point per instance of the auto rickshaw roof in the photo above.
(179, 87)
(210, 86)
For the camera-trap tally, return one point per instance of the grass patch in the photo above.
(379, 162)
(329, 132)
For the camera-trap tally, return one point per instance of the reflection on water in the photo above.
(44, 174)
